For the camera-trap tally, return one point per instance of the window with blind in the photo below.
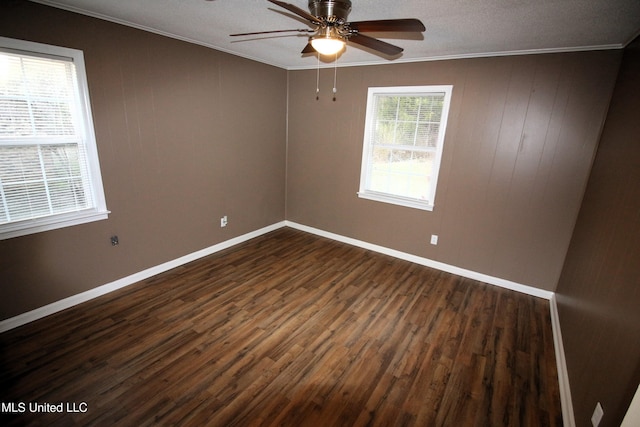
(403, 141)
(49, 170)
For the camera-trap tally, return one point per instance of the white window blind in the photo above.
(404, 136)
(49, 175)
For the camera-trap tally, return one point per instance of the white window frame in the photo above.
(365, 173)
(98, 211)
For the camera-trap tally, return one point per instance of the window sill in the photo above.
(396, 200)
(23, 228)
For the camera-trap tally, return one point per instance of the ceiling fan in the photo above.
(331, 30)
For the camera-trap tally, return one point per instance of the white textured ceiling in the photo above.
(455, 28)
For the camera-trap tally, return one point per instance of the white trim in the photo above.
(569, 49)
(566, 403)
(85, 136)
(313, 66)
(529, 290)
(561, 363)
(68, 302)
(395, 200)
(53, 222)
(632, 416)
(563, 379)
(152, 30)
(366, 169)
(73, 300)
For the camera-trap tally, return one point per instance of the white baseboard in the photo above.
(632, 417)
(530, 290)
(568, 419)
(73, 300)
(563, 379)
(65, 303)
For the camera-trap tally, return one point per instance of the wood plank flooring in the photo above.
(290, 329)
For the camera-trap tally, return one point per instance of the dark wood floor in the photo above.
(295, 330)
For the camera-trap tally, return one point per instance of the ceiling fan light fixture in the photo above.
(326, 46)
(332, 29)
(327, 41)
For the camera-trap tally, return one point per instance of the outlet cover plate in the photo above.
(597, 415)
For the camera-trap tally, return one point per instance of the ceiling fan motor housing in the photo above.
(332, 10)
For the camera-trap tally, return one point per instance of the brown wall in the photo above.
(521, 137)
(599, 290)
(185, 135)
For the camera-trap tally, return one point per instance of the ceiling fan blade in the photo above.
(272, 31)
(295, 9)
(375, 44)
(388, 25)
(308, 49)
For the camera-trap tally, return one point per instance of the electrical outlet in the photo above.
(597, 415)
(223, 221)
(434, 239)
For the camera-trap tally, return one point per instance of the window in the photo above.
(403, 139)
(49, 170)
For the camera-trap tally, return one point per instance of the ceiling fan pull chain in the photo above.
(335, 77)
(318, 79)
